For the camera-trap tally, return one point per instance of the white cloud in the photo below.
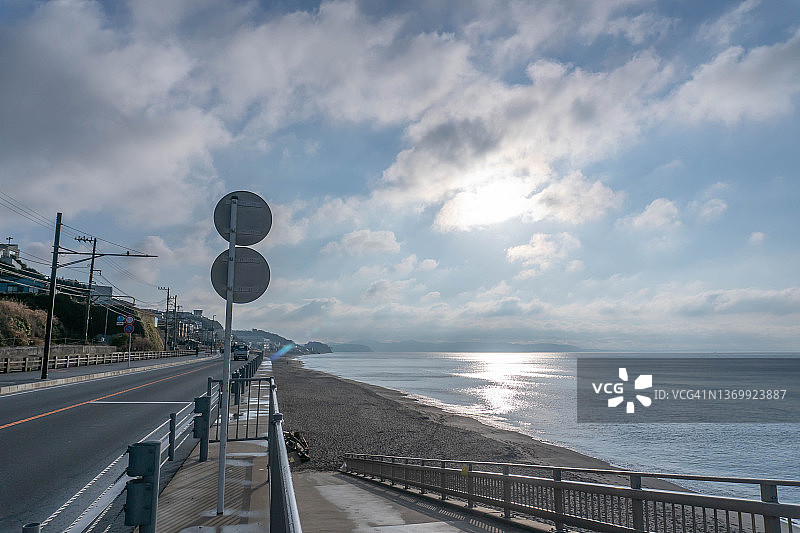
(411, 263)
(757, 84)
(364, 241)
(710, 210)
(658, 215)
(543, 251)
(88, 109)
(574, 200)
(336, 61)
(428, 264)
(756, 238)
(720, 30)
(493, 145)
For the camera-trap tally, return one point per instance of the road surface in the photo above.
(53, 441)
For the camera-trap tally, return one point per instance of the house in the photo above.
(15, 276)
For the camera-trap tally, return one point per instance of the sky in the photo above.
(615, 174)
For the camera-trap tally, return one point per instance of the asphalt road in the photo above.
(53, 441)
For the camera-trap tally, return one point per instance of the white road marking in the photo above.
(181, 403)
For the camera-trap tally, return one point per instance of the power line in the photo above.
(25, 211)
(103, 240)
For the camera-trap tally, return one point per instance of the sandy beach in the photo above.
(338, 416)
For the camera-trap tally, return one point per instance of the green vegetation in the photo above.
(23, 318)
(22, 326)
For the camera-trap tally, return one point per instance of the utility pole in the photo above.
(57, 249)
(89, 295)
(166, 318)
(48, 334)
(175, 322)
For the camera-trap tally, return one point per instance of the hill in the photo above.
(273, 342)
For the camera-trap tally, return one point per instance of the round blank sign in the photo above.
(250, 276)
(253, 217)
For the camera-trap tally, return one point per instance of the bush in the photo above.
(20, 325)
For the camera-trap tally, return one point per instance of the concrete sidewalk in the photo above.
(188, 504)
(22, 381)
(327, 501)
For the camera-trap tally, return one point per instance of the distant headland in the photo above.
(453, 346)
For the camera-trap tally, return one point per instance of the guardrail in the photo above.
(99, 515)
(33, 363)
(541, 491)
(284, 516)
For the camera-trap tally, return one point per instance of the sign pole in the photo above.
(224, 389)
(129, 349)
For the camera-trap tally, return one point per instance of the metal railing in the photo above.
(541, 491)
(248, 403)
(247, 409)
(284, 516)
(33, 363)
(110, 483)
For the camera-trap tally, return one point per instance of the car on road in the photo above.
(240, 352)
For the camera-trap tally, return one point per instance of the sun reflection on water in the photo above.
(507, 380)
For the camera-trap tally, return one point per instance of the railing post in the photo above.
(470, 485)
(391, 473)
(276, 507)
(270, 427)
(171, 451)
(637, 505)
(405, 473)
(141, 502)
(422, 476)
(441, 479)
(558, 500)
(769, 494)
(506, 493)
(210, 383)
(202, 406)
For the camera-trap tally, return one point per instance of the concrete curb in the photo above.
(8, 389)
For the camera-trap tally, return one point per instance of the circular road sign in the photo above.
(128, 328)
(250, 277)
(129, 320)
(253, 217)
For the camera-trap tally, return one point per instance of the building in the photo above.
(15, 276)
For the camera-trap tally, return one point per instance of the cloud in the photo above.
(756, 84)
(364, 241)
(756, 238)
(573, 200)
(411, 263)
(710, 210)
(720, 30)
(543, 251)
(660, 214)
(386, 290)
(336, 61)
(486, 155)
(86, 108)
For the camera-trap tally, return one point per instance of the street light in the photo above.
(213, 334)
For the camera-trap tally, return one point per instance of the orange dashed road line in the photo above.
(96, 399)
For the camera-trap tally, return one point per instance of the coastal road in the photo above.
(53, 441)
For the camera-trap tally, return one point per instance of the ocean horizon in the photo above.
(535, 394)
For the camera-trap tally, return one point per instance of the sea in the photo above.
(535, 394)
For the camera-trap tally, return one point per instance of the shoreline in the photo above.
(339, 415)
